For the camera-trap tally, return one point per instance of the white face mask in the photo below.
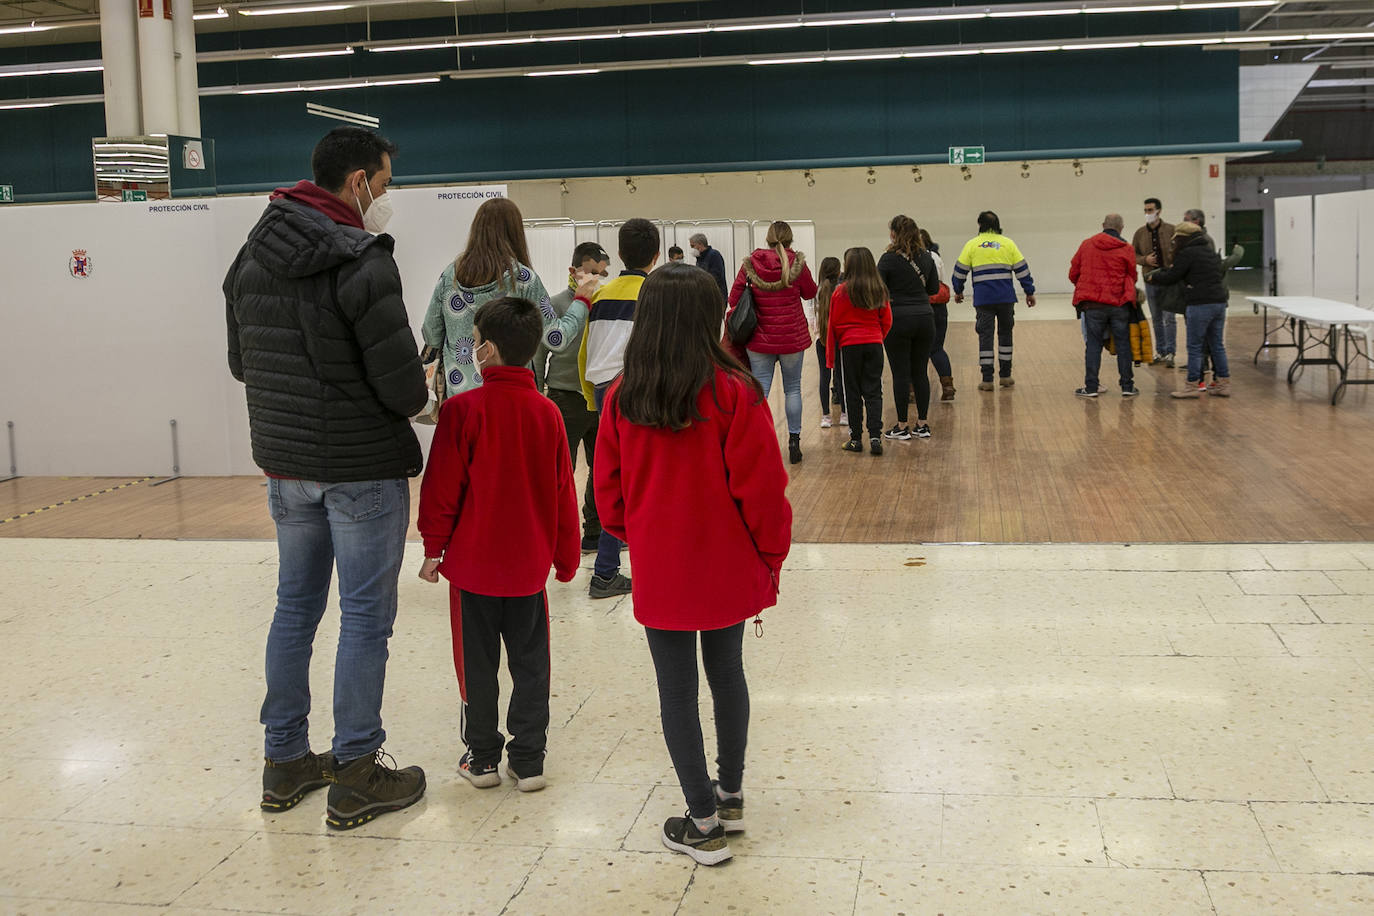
(481, 366)
(1151, 218)
(378, 213)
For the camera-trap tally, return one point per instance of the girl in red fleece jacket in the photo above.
(689, 475)
(860, 317)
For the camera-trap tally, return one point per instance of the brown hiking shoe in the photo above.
(1006, 382)
(986, 386)
(368, 787)
(947, 388)
(1187, 391)
(284, 784)
(1221, 387)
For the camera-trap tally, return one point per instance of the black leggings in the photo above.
(908, 349)
(675, 662)
(938, 357)
(829, 377)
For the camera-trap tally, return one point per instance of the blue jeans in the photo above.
(1096, 321)
(1206, 325)
(761, 364)
(361, 526)
(607, 545)
(1161, 322)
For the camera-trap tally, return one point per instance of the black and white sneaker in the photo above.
(680, 834)
(853, 445)
(1130, 392)
(730, 809)
(902, 433)
(875, 445)
(1085, 392)
(481, 775)
(922, 431)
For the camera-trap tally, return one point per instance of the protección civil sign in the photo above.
(966, 155)
(6, 193)
(134, 195)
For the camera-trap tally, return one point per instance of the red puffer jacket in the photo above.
(1103, 271)
(777, 300)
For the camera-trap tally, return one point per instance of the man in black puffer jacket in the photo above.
(1198, 267)
(319, 334)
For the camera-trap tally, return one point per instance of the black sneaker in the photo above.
(729, 810)
(680, 834)
(609, 588)
(902, 433)
(853, 445)
(922, 431)
(285, 784)
(1085, 392)
(875, 445)
(365, 788)
(590, 543)
(531, 783)
(481, 775)
(1130, 392)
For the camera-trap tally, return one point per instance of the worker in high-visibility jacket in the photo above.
(993, 260)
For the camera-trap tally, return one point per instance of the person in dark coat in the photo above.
(1198, 267)
(710, 260)
(318, 334)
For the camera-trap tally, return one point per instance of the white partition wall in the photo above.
(1335, 245)
(551, 243)
(103, 349)
(1293, 245)
(1364, 285)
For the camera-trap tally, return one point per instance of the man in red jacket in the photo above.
(1103, 277)
(497, 509)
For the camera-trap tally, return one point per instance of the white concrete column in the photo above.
(188, 83)
(1212, 197)
(157, 67)
(119, 55)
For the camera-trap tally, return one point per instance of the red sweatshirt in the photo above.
(703, 510)
(312, 195)
(498, 498)
(850, 325)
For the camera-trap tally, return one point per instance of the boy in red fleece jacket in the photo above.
(497, 509)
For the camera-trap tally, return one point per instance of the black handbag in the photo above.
(743, 321)
(1171, 299)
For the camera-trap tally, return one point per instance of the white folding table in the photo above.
(1301, 314)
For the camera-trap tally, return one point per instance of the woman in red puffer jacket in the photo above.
(780, 280)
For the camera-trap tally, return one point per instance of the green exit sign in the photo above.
(134, 195)
(966, 155)
(6, 193)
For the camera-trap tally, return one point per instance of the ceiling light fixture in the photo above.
(299, 55)
(290, 10)
(31, 27)
(581, 72)
(966, 172)
(758, 178)
(51, 69)
(220, 13)
(329, 87)
(787, 60)
(1144, 166)
(563, 187)
(1078, 168)
(872, 177)
(630, 185)
(11, 106)
(810, 179)
(1025, 170)
(916, 174)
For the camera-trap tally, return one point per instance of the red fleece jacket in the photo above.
(1103, 271)
(312, 195)
(704, 510)
(850, 325)
(498, 498)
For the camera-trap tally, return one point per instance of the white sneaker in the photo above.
(844, 419)
(825, 422)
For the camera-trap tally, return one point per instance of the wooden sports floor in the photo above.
(1034, 464)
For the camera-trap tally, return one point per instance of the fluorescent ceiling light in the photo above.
(327, 87)
(845, 57)
(951, 52)
(492, 42)
(220, 13)
(940, 17)
(48, 70)
(1252, 38)
(659, 33)
(1131, 9)
(602, 36)
(1181, 42)
(31, 27)
(288, 10)
(756, 27)
(1103, 46)
(428, 47)
(837, 22)
(1025, 14)
(9, 106)
(787, 60)
(564, 72)
(1338, 36)
(1022, 50)
(297, 55)
(1226, 4)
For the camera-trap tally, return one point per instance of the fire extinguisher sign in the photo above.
(145, 9)
(167, 10)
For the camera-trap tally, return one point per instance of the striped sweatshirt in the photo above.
(608, 330)
(992, 260)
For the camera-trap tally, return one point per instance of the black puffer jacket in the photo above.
(1198, 267)
(319, 334)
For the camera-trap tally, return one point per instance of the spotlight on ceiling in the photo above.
(704, 180)
(758, 178)
(1144, 166)
(916, 174)
(1025, 170)
(563, 187)
(810, 180)
(872, 177)
(630, 185)
(1078, 168)
(967, 172)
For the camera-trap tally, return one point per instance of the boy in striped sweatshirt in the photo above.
(603, 356)
(993, 260)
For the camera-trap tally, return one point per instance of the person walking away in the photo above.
(780, 280)
(1103, 276)
(494, 264)
(602, 359)
(689, 473)
(317, 328)
(559, 374)
(992, 261)
(939, 304)
(860, 318)
(709, 260)
(498, 508)
(908, 271)
(1154, 248)
(832, 382)
(1197, 266)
